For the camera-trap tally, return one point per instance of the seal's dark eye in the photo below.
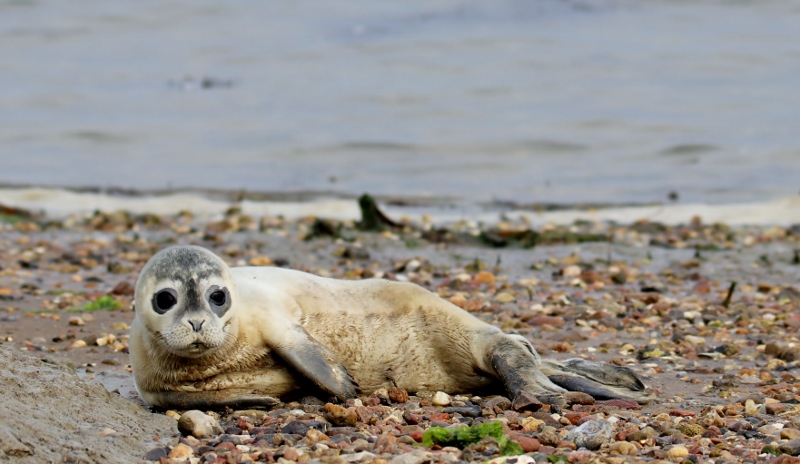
(218, 298)
(164, 300)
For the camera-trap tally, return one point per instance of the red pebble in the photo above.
(784, 459)
(575, 417)
(546, 320)
(622, 404)
(225, 446)
(528, 444)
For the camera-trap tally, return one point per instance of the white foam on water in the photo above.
(58, 203)
(779, 212)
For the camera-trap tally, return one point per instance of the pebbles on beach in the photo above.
(650, 297)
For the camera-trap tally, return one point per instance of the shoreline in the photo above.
(55, 202)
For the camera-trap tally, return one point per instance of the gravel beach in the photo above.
(706, 313)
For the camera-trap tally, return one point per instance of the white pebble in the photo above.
(441, 399)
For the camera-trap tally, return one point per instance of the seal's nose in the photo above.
(196, 325)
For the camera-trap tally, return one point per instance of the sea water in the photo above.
(520, 101)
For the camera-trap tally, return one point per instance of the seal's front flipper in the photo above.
(600, 380)
(316, 362)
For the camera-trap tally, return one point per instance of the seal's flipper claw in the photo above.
(600, 380)
(582, 384)
(606, 374)
(317, 363)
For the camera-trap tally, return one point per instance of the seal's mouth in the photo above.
(195, 349)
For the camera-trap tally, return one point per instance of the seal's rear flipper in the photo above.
(515, 363)
(600, 380)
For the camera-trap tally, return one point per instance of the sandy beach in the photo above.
(651, 296)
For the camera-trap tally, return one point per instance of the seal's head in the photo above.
(186, 298)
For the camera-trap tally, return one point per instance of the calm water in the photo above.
(523, 100)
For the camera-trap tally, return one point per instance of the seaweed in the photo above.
(464, 436)
(104, 303)
(13, 215)
(323, 228)
(372, 218)
(529, 238)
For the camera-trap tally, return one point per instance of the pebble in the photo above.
(554, 321)
(415, 457)
(339, 416)
(315, 436)
(790, 434)
(580, 398)
(500, 402)
(198, 424)
(791, 447)
(531, 424)
(440, 399)
(398, 395)
(777, 408)
(549, 438)
(784, 459)
(690, 430)
(678, 452)
(291, 454)
(485, 277)
(528, 444)
(156, 454)
(711, 418)
(622, 404)
(522, 459)
(752, 409)
(623, 447)
(361, 456)
(526, 402)
(592, 434)
(768, 430)
(571, 271)
(466, 411)
(181, 451)
(695, 340)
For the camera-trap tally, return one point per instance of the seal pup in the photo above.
(207, 335)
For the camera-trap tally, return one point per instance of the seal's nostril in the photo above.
(197, 325)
